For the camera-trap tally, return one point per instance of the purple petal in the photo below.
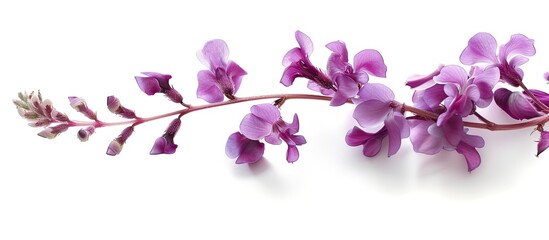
(273, 138)
(289, 75)
(489, 76)
(515, 104)
(336, 66)
(376, 91)
(451, 90)
(339, 48)
(214, 54)
(356, 137)
(244, 149)
(114, 148)
(453, 130)
(298, 139)
(163, 79)
(473, 140)
(254, 127)
(293, 56)
(452, 74)
(371, 114)
(397, 128)
(163, 146)
(148, 85)
(486, 95)
(235, 73)
(480, 49)
(518, 61)
(315, 87)
(266, 112)
(292, 154)
(304, 42)
(461, 106)
(517, 45)
(423, 82)
(372, 147)
(371, 61)
(207, 88)
(472, 92)
(346, 88)
(541, 95)
(432, 96)
(543, 143)
(422, 140)
(294, 126)
(471, 155)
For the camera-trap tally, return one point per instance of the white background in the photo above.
(64, 189)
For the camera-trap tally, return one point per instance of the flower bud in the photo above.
(80, 106)
(116, 107)
(52, 132)
(85, 133)
(115, 147)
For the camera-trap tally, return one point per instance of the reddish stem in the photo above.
(405, 108)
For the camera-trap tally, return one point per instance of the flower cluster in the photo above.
(447, 103)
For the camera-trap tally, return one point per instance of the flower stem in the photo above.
(485, 124)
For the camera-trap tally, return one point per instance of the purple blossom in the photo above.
(465, 92)
(165, 143)
(265, 122)
(428, 94)
(223, 77)
(515, 104)
(244, 149)
(429, 138)
(375, 111)
(297, 64)
(482, 49)
(543, 143)
(346, 79)
(540, 95)
(154, 82)
(371, 142)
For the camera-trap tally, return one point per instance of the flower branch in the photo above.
(434, 122)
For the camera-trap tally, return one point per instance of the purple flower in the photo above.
(347, 80)
(429, 138)
(223, 77)
(515, 104)
(482, 49)
(540, 95)
(464, 91)
(244, 149)
(265, 122)
(543, 143)
(165, 143)
(154, 83)
(428, 94)
(375, 111)
(297, 64)
(371, 142)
